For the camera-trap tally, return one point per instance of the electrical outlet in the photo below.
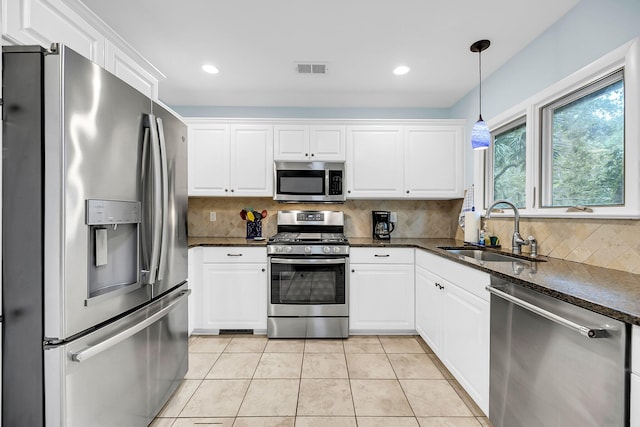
(393, 217)
(212, 216)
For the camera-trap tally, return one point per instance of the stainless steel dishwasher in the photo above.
(554, 364)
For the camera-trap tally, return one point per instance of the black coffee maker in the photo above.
(382, 225)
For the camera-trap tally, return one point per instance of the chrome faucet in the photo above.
(517, 241)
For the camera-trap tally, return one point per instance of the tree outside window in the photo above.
(584, 147)
(509, 150)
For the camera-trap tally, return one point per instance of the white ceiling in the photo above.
(256, 43)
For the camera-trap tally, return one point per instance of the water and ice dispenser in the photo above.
(114, 245)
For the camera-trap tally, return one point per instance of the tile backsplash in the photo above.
(418, 218)
(605, 243)
(602, 242)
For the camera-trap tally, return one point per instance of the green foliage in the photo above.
(588, 149)
(509, 165)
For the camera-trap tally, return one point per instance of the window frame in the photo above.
(490, 156)
(627, 58)
(546, 116)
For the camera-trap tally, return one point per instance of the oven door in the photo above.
(308, 286)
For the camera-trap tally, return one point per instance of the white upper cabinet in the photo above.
(423, 161)
(374, 162)
(123, 66)
(208, 160)
(313, 143)
(252, 160)
(433, 161)
(43, 22)
(230, 160)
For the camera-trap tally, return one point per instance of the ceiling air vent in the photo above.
(311, 68)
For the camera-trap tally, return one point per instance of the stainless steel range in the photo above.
(309, 281)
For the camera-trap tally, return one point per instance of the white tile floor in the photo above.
(364, 381)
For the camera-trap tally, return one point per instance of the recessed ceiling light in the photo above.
(401, 70)
(211, 69)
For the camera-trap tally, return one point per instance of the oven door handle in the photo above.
(321, 261)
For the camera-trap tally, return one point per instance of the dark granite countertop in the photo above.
(224, 241)
(609, 292)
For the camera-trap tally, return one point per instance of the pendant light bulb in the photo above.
(480, 135)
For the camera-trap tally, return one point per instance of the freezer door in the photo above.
(93, 151)
(122, 374)
(172, 135)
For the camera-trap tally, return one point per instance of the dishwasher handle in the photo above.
(581, 329)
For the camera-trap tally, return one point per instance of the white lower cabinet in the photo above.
(635, 377)
(233, 289)
(635, 400)
(192, 278)
(453, 317)
(429, 310)
(381, 297)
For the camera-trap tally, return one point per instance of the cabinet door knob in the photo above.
(306, 154)
(312, 154)
(263, 270)
(407, 191)
(353, 271)
(226, 190)
(349, 191)
(232, 190)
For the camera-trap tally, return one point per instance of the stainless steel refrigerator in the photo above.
(94, 197)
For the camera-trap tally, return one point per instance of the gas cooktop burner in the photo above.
(309, 233)
(308, 238)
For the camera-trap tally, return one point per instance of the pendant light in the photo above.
(480, 136)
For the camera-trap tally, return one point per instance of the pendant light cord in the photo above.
(480, 83)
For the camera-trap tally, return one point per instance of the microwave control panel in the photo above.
(335, 183)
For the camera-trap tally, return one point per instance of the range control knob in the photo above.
(307, 249)
(288, 249)
(336, 249)
(279, 248)
(326, 249)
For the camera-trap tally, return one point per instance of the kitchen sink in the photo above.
(486, 255)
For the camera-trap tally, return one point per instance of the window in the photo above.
(507, 163)
(583, 146)
(571, 150)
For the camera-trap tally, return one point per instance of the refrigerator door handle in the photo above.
(102, 346)
(153, 213)
(165, 197)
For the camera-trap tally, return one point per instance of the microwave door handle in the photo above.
(165, 198)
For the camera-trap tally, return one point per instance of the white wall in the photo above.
(588, 31)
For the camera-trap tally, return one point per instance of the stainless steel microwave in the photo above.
(309, 182)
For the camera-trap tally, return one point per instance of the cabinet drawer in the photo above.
(635, 350)
(467, 278)
(381, 256)
(234, 254)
